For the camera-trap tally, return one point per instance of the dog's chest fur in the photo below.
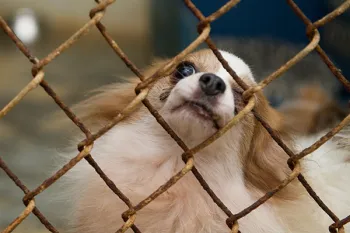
(139, 159)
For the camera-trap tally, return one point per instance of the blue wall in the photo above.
(273, 18)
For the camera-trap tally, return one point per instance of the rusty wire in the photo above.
(30, 207)
(142, 89)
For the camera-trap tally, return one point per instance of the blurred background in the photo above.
(264, 33)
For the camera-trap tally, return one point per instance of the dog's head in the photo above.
(198, 98)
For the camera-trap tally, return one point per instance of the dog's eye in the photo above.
(184, 69)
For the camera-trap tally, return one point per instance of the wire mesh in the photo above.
(142, 89)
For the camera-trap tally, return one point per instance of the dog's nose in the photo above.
(212, 84)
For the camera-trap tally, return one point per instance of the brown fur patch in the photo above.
(107, 103)
(204, 60)
(265, 165)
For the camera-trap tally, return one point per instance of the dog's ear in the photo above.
(266, 162)
(108, 101)
(104, 104)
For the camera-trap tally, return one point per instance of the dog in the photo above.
(196, 100)
(312, 111)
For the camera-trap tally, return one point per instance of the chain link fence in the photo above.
(142, 89)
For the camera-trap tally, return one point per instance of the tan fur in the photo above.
(204, 60)
(265, 163)
(107, 104)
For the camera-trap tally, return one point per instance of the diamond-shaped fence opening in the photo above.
(141, 90)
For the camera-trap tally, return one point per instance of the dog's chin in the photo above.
(194, 122)
(199, 110)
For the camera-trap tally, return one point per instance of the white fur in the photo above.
(141, 156)
(240, 67)
(327, 172)
(188, 89)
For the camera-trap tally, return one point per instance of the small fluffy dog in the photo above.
(199, 98)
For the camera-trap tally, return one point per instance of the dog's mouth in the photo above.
(201, 110)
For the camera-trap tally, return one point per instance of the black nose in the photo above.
(212, 84)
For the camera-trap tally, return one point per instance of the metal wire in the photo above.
(141, 90)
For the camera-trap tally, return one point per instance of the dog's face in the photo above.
(200, 96)
(197, 99)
